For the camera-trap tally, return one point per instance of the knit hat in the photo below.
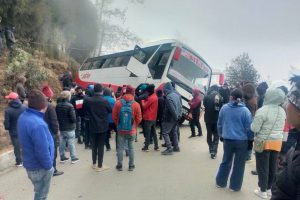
(12, 95)
(37, 100)
(47, 91)
(129, 90)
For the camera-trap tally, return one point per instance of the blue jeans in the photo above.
(123, 140)
(237, 150)
(41, 180)
(67, 137)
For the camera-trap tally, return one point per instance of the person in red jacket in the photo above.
(127, 137)
(195, 108)
(150, 106)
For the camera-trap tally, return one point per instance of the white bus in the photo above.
(157, 63)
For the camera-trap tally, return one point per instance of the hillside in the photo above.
(53, 68)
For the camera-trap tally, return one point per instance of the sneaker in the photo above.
(94, 166)
(131, 168)
(232, 190)
(192, 136)
(213, 156)
(156, 149)
(176, 149)
(269, 193)
(64, 159)
(254, 173)
(261, 194)
(218, 186)
(101, 169)
(57, 173)
(75, 160)
(167, 152)
(200, 135)
(19, 165)
(145, 149)
(119, 167)
(164, 145)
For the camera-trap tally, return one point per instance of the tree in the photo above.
(241, 71)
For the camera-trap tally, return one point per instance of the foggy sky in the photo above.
(220, 30)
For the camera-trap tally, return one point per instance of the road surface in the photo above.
(188, 175)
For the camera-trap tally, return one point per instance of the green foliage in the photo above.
(241, 71)
(23, 64)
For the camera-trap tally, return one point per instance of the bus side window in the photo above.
(85, 66)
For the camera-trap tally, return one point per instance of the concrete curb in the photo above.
(7, 160)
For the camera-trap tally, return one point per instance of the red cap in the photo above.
(47, 91)
(12, 95)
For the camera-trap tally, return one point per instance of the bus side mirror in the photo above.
(139, 54)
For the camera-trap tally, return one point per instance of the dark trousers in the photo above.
(17, 149)
(87, 135)
(98, 141)
(79, 132)
(112, 127)
(266, 168)
(235, 151)
(169, 132)
(212, 137)
(150, 132)
(159, 123)
(56, 145)
(196, 122)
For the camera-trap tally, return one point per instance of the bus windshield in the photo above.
(190, 71)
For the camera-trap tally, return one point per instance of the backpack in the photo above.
(125, 125)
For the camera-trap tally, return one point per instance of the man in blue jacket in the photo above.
(37, 144)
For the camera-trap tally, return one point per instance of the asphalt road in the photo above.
(188, 175)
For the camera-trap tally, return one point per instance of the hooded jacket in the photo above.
(150, 107)
(173, 107)
(234, 122)
(98, 110)
(270, 118)
(136, 112)
(11, 116)
(66, 116)
(195, 103)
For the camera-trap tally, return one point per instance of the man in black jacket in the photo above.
(212, 103)
(51, 119)
(11, 116)
(77, 102)
(67, 123)
(287, 184)
(98, 110)
(161, 105)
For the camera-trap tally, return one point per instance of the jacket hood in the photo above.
(15, 103)
(196, 92)
(128, 97)
(274, 97)
(233, 104)
(168, 88)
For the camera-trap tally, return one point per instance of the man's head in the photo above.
(159, 93)
(293, 104)
(22, 79)
(150, 89)
(129, 90)
(37, 100)
(98, 88)
(12, 96)
(65, 96)
(107, 92)
(79, 90)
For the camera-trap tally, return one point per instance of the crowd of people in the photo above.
(246, 119)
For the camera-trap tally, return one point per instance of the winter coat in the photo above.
(36, 141)
(77, 102)
(51, 119)
(287, 184)
(136, 112)
(66, 116)
(161, 106)
(234, 122)
(150, 106)
(21, 91)
(173, 106)
(270, 118)
(11, 116)
(98, 110)
(112, 103)
(195, 103)
(212, 103)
